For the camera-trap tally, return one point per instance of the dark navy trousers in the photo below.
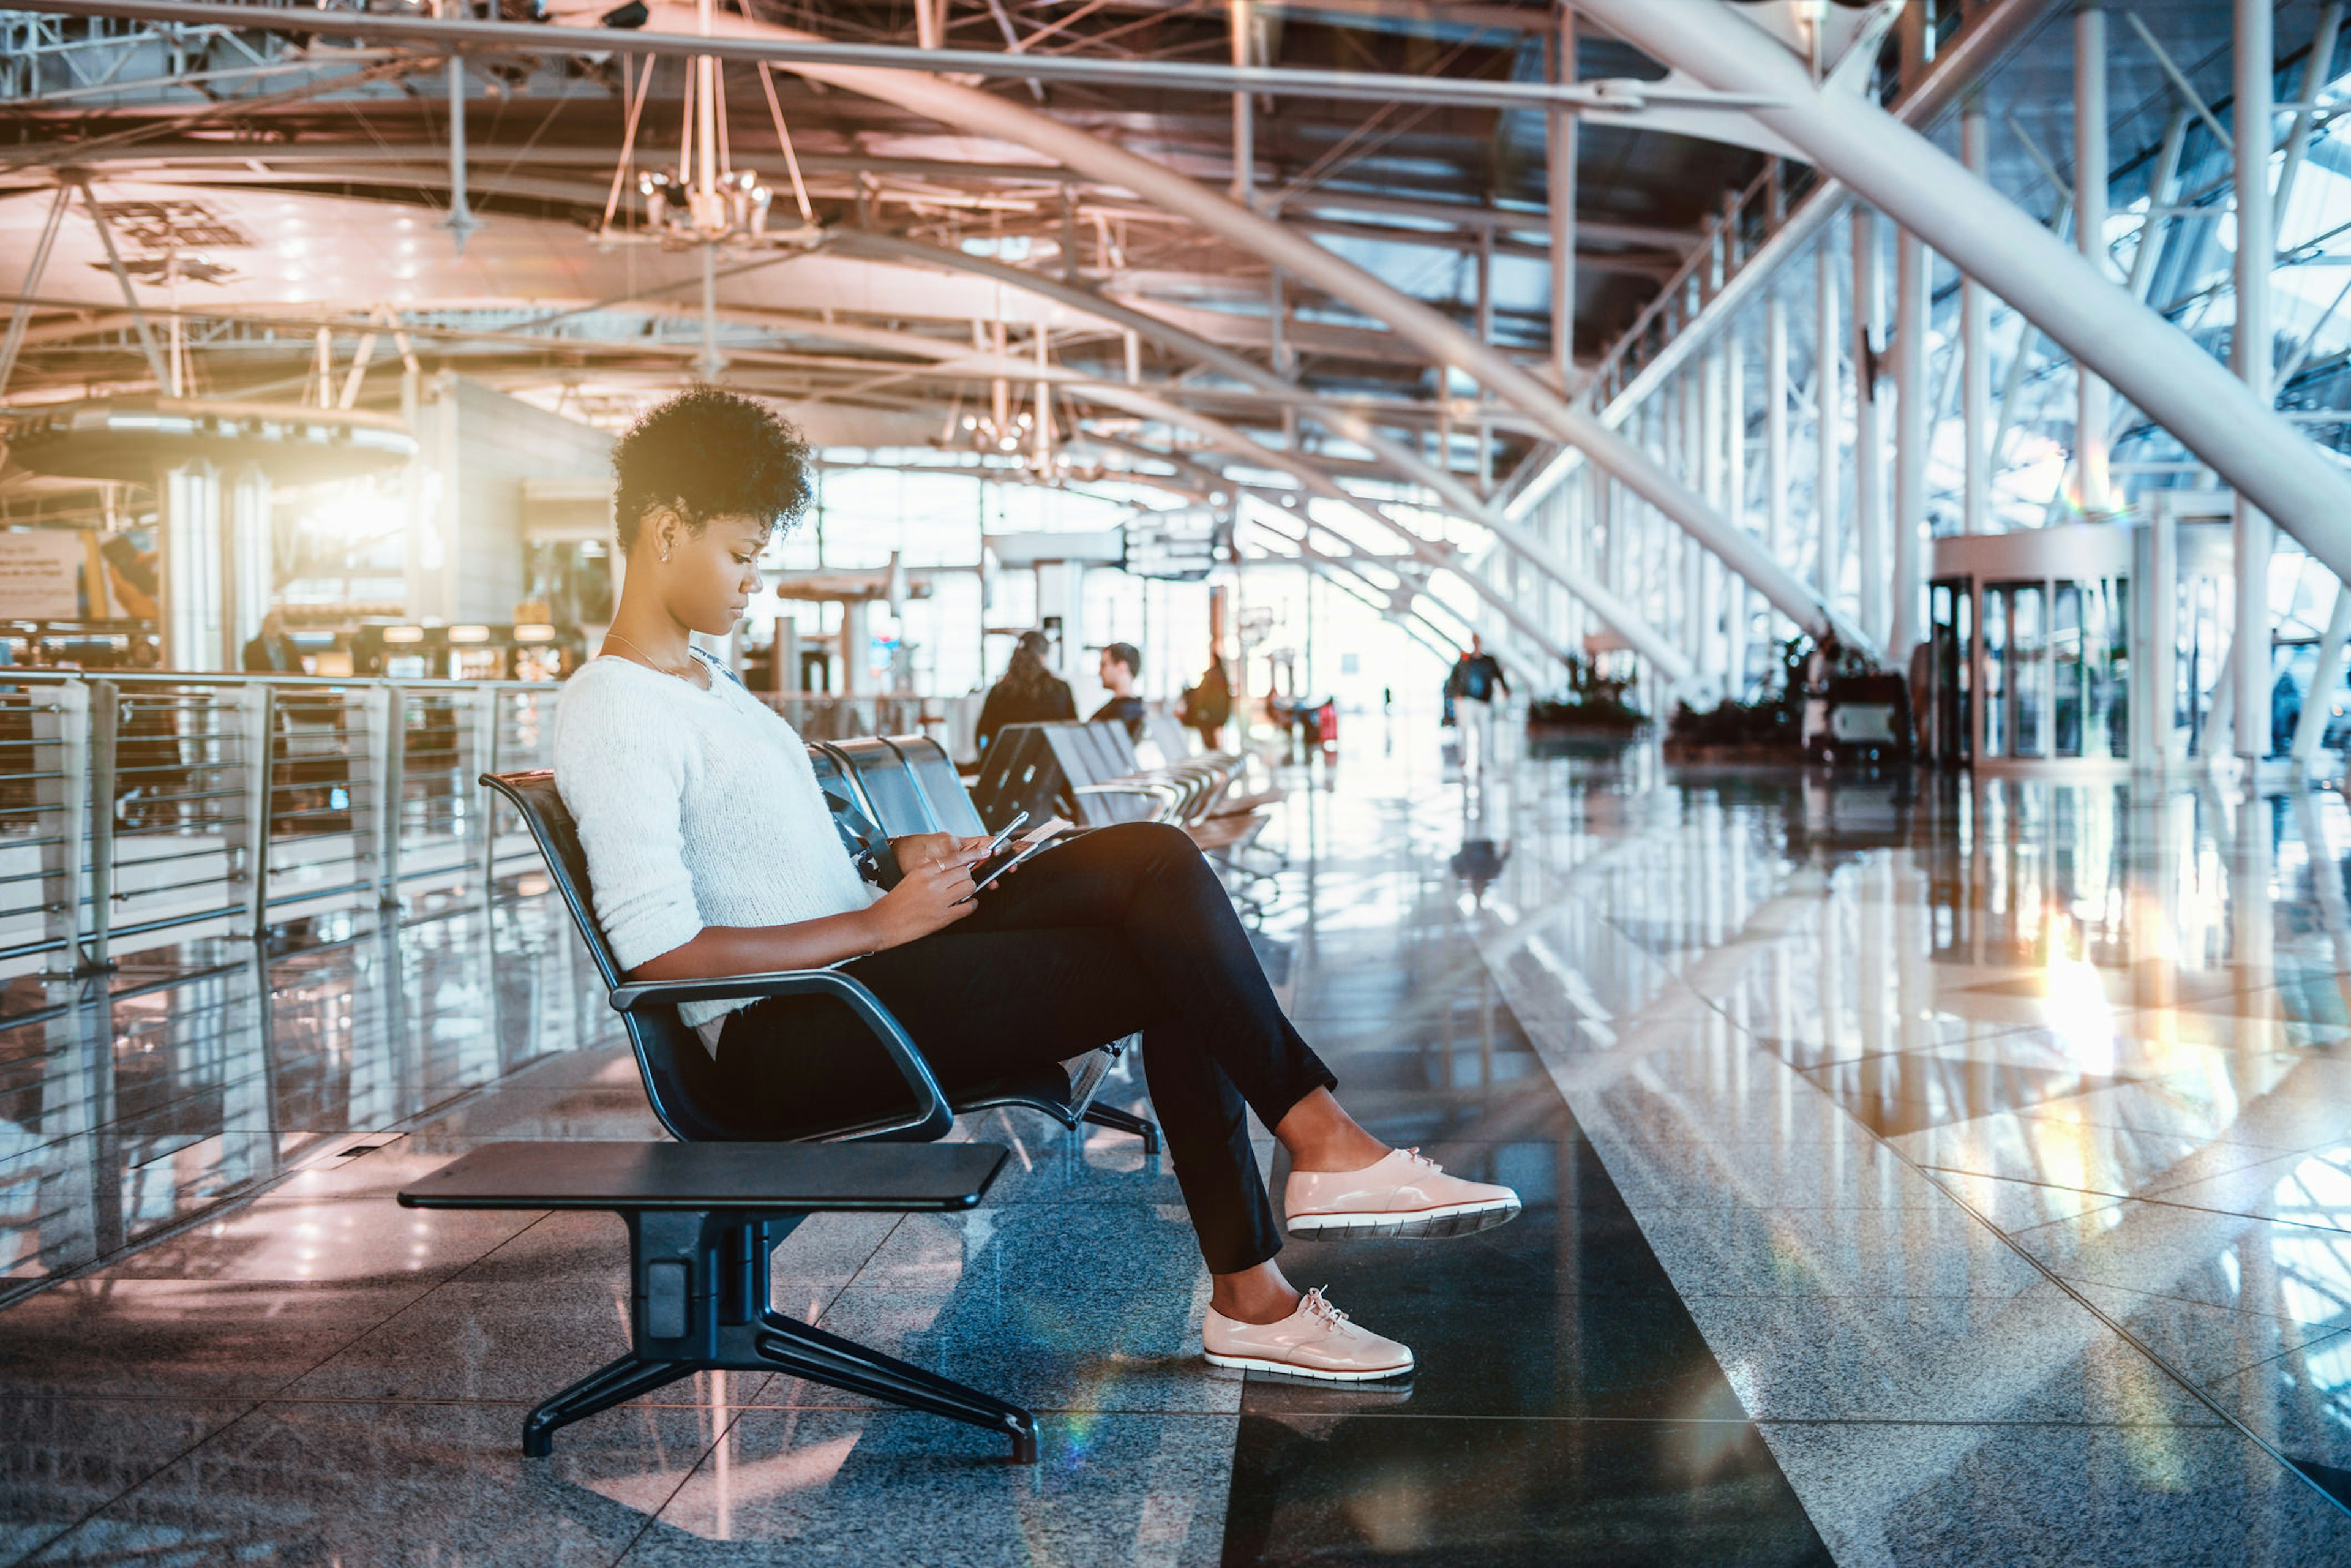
(1122, 929)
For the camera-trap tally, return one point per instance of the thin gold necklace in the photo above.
(655, 664)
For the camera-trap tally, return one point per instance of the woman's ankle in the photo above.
(1258, 1295)
(1321, 1136)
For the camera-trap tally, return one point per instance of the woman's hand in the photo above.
(916, 850)
(929, 897)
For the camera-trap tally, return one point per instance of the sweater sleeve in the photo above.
(623, 780)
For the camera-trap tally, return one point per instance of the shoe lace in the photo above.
(1319, 1305)
(1416, 1158)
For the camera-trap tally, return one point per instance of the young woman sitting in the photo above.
(711, 852)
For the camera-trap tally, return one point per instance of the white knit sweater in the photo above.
(696, 809)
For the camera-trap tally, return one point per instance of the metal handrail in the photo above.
(147, 801)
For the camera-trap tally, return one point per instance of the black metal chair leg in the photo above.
(1111, 1116)
(616, 1383)
(838, 1363)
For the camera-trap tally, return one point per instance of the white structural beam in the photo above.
(1313, 480)
(2092, 420)
(2253, 343)
(2152, 362)
(1434, 332)
(669, 33)
(1399, 457)
(1975, 351)
(908, 81)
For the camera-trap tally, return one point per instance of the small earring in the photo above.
(665, 555)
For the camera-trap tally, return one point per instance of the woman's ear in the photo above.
(666, 528)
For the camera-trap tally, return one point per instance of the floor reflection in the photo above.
(1917, 1173)
(133, 1103)
(1975, 1105)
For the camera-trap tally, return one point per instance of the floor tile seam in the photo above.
(2046, 1111)
(2214, 1425)
(2159, 1201)
(2314, 1344)
(142, 1482)
(1932, 1171)
(718, 1437)
(2191, 1302)
(1929, 1099)
(2194, 1388)
(859, 1273)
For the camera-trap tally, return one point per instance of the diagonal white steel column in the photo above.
(1311, 478)
(898, 82)
(2151, 361)
(2253, 348)
(1456, 497)
(1426, 327)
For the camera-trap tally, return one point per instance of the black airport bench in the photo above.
(705, 1214)
(702, 1220)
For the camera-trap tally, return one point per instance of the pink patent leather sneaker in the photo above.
(1404, 1195)
(1317, 1341)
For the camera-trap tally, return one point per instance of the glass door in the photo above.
(1951, 726)
(2016, 720)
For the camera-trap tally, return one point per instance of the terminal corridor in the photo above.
(1893, 1158)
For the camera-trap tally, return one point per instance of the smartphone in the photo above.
(1047, 839)
(1002, 834)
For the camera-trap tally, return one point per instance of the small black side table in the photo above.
(703, 1219)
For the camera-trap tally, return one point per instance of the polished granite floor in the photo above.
(1913, 1174)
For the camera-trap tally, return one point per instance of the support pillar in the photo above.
(856, 646)
(1061, 597)
(2255, 56)
(1560, 201)
(1775, 439)
(188, 535)
(1914, 429)
(1734, 470)
(1827, 397)
(1975, 351)
(2092, 417)
(1244, 109)
(1868, 435)
(246, 575)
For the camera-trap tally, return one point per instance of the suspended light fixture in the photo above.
(704, 200)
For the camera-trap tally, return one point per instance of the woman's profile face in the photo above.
(710, 576)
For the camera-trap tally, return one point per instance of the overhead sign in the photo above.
(40, 574)
(1180, 545)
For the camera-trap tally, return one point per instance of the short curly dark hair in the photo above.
(709, 454)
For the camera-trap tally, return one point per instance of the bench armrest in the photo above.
(931, 1118)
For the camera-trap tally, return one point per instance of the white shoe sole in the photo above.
(1291, 1369)
(1453, 1219)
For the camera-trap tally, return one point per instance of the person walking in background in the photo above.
(1206, 707)
(1470, 692)
(1029, 692)
(1121, 664)
(270, 651)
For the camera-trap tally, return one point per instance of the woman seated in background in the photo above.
(1029, 692)
(711, 853)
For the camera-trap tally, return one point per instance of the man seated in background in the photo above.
(1121, 664)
